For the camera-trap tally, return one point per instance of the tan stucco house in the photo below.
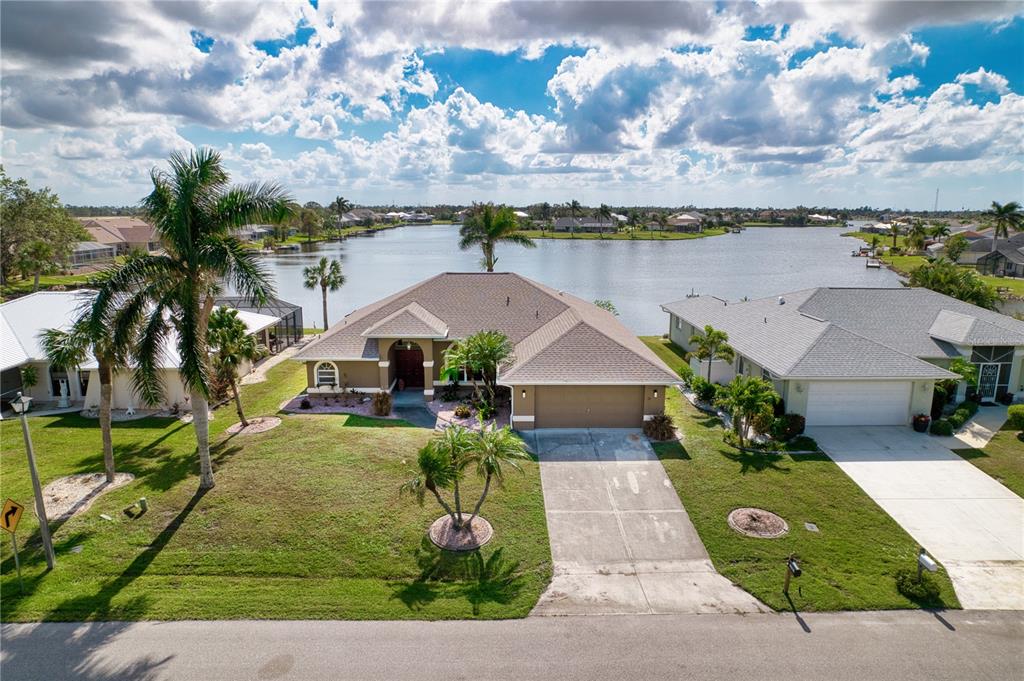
(574, 365)
(857, 356)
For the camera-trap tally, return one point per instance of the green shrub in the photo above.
(787, 426)
(660, 427)
(1016, 413)
(941, 427)
(381, 403)
(957, 419)
(686, 373)
(970, 406)
(763, 422)
(924, 592)
(703, 389)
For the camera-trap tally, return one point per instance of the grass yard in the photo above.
(849, 564)
(623, 236)
(1002, 458)
(21, 287)
(305, 522)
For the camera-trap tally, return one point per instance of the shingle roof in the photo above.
(829, 333)
(412, 321)
(967, 330)
(545, 326)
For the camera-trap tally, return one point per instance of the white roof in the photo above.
(520, 214)
(23, 320)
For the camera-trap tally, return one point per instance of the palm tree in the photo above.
(486, 227)
(662, 220)
(71, 349)
(603, 213)
(482, 353)
(711, 345)
(340, 205)
(327, 275)
(440, 465)
(231, 344)
(939, 231)
(916, 236)
(744, 398)
(493, 451)
(874, 243)
(574, 208)
(193, 210)
(894, 230)
(1004, 217)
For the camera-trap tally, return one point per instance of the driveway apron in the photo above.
(972, 524)
(621, 541)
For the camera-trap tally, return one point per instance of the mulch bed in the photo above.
(333, 405)
(757, 522)
(444, 535)
(260, 424)
(73, 494)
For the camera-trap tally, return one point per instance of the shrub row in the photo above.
(950, 424)
(1016, 413)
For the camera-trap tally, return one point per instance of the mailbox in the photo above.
(924, 561)
(794, 567)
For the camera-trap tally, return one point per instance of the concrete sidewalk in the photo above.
(972, 524)
(621, 541)
(977, 432)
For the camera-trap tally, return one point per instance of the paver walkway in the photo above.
(409, 406)
(621, 541)
(972, 524)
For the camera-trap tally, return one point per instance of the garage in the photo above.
(598, 406)
(858, 403)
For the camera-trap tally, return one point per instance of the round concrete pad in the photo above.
(259, 424)
(445, 536)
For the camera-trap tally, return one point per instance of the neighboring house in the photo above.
(358, 216)
(877, 228)
(686, 222)
(253, 232)
(587, 224)
(125, 234)
(857, 356)
(1006, 258)
(814, 217)
(574, 365)
(418, 218)
(92, 253)
(23, 320)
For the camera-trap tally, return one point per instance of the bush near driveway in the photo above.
(304, 523)
(1015, 416)
(850, 564)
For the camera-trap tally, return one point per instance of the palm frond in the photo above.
(147, 375)
(240, 266)
(254, 202)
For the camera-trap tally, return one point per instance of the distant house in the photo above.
(877, 228)
(586, 224)
(125, 234)
(253, 232)
(419, 217)
(92, 253)
(23, 320)
(814, 217)
(690, 221)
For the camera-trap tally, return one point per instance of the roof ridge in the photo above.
(626, 347)
(568, 310)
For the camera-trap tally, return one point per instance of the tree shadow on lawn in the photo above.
(99, 605)
(77, 421)
(30, 553)
(671, 451)
(755, 462)
(469, 574)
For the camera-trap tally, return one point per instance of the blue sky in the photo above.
(626, 103)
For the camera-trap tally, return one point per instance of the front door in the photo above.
(988, 380)
(409, 367)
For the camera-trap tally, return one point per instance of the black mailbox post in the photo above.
(792, 570)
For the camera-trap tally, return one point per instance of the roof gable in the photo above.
(411, 321)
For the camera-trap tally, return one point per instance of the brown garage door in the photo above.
(599, 406)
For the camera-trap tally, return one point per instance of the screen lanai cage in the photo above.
(288, 329)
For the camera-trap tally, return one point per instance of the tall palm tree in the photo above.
(662, 220)
(70, 349)
(939, 231)
(486, 227)
(1004, 217)
(193, 209)
(231, 344)
(325, 274)
(574, 209)
(603, 213)
(711, 345)
(894, 230)
(340, 205)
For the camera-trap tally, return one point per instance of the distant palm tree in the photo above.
(874, 243)
(231, 345)
(1004, 217)
(894, 230)
(340, 206)
(603, 213)
(486, 227)
(325, 274)
(662, 220)
(939, 231)
(70, 349)
(574, 209)
(916, 236)
(193, 210)
(711, 345)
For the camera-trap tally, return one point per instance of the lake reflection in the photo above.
(637, 276)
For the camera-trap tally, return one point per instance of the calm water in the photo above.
(637, 276)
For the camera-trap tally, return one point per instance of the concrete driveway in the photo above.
(964, 518)
(621, 541)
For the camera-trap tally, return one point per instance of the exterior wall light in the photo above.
(523, 394)
(655, 392)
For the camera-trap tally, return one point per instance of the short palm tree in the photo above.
(1004, 217)
(939, 231)
(440, 465)
(482, 353)
(662, 220)
(172, 295)
(493, 452)
(744, 398)
(231, 344)
(327, 275)
(916, 236)
(71, 348)
(894, 230)
(489, 225)
(711, 345)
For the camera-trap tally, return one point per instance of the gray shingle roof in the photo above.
(545, 327)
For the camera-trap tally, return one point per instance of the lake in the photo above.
(637, 276)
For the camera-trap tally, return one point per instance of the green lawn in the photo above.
(305, 522)
(20, 287)
(1002, 458)
(622, 236)
(848, 565)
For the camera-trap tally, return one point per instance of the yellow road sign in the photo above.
(11, 514)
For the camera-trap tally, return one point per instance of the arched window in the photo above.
(326, 374)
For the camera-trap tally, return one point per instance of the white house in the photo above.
(22, 322)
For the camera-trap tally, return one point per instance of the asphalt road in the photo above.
(897, 646)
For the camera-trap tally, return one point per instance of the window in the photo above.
(679, 323)
(326, 374)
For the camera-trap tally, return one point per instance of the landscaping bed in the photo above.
(850, 563)
(305, 522)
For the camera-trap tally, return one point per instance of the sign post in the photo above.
(9, 518)
(20, 406)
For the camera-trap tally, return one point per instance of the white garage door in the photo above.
(858, 403)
